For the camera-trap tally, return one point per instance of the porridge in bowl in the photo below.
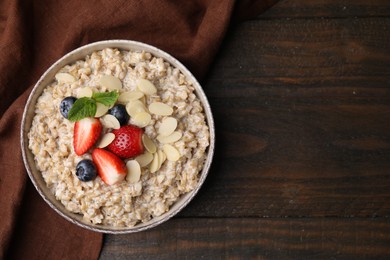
(119, 136)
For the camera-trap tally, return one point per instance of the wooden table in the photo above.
(301, 99)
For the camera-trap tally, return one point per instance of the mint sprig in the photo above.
(106, 98)
(83, 107)
(86, 106)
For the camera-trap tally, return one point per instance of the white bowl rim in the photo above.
(88, 49)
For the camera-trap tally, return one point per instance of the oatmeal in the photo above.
(174, 137)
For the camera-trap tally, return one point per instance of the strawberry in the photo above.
(110, 167)
(86, 132)
(127, 142)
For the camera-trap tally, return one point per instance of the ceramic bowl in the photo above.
(28, 115)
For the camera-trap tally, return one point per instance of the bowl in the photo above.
(36, 176)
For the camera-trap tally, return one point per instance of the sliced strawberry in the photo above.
(127, 142)
(86, 132)
(111, 168)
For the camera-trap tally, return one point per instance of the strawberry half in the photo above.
(111, 168)
(127, 142)
(86, 132)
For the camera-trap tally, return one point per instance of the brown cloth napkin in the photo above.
(33, 35)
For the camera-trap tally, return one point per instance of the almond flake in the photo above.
(133, 171)
(161, 157)
(64, 77)
(106, 140)
(134, 107)
(111, 82)
(154, 165)
(171, 152)
(143, 100)
(148, 143)
(146, 86)
(142, 119)
(110, 121)
(168, 126)
(129, 96)
(138, 187)
(160, 109)
(101, 109)
(144, 159)
(164, 156)
(84, 92)
(175, 136)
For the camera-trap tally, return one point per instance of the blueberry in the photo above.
(119, 111)
(66, 105)
(86, 170)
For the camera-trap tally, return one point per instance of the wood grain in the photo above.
(327, 8)
(226, 238)
(302, 111)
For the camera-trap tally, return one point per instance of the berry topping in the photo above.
(86, 133)
(111, 168)
(127, 142)
(86, 170)
(119, 111)
(66, 105)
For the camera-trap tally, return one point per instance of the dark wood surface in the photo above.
(301, 100)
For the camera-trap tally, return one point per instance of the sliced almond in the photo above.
(64, 77)
(125, 97)
(143, 100)
(144, 159)
(134, 107)
(106, 140)
(133, 171)
(148, 143)
(84, 92)
(101, 109)
(175, 136)
(168, 126)
(111, 82)
(142, 119)
(110, 121)
(171, 152)
(146, 86)
(161, 157)
(138, 187)
(164, 156)
(161, 109)
(154, 166)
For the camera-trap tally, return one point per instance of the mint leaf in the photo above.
(86, 106)
(106, 98)
(83, 107)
